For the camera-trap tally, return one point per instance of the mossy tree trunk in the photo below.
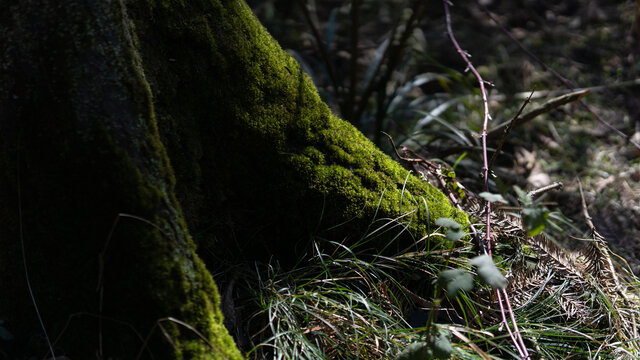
(80, 146)
(122, 124)
(258, 156)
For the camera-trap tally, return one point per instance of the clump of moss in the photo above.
(246, 128)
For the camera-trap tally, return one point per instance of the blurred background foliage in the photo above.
(388, 65)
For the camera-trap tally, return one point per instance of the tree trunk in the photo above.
(122, 123)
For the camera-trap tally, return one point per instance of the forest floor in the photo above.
(590, 44)
(390, 66)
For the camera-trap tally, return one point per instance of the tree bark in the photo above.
(257, 155)
(123, 124)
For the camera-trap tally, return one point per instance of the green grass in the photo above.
(353, 303)
(344, 304)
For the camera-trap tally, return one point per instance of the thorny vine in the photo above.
(515, 336)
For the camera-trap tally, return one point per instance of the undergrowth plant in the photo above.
(500, 287)
(346, 304)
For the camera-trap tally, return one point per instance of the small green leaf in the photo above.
(493, 197)
(454, 280)
(447, 223)
(442, 344)
(488, 272)
(454, 235)
(415, 351)
(522, 196)
(534, 219)
(481, 261)
(455, 165)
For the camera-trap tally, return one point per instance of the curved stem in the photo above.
(515, 336)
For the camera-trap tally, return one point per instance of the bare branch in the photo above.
(353, 63)
(320, 45)
(515, 336)
(537, 192)
(545, 108)
(392, 56)
(485, 123)
(507, 130)
(563, 80)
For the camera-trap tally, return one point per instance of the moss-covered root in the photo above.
(78, 146)
(260, 161)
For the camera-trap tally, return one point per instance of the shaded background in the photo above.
(395, 88)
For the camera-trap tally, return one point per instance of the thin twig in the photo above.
(420, 160)
(24, 259)
(117, 321)
(585, 212)
(395, 58)
(353, 67)
(368, 90)
(516, 337)
(470, 343)
(537, 192)
(391, 56)
(101, 259)
(507, 131)
(515, 323)
(404, 158)
(563, 80)
(320, 44)
(516, 343)
(532, 55)
(485, 121)
(158, 324)
(548, 93)
(545, 108)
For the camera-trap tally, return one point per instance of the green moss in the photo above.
(246, 128)
(314, 155)
(258, 160)
(82, 135)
